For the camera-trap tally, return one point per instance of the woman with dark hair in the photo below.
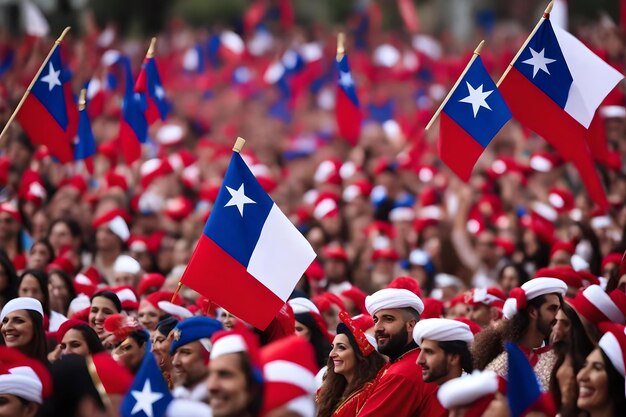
(601, 379)
(63, 233)
(34, 283)
(40, 255)
(102, 305)
(310, 325)
(161, 347)
(8, 279)
(76, 337)
(354, 369)
(511, 276)
(22, 327)
(572, 345)
(61, 290)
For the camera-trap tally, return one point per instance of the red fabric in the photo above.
(596, 140)
(457, 149)
(220, 274)
(349, 118)
(409, 15)
(131, 147)
(402, 392)
(536, 110)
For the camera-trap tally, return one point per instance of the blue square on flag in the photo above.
(149, 395)
(477, 106)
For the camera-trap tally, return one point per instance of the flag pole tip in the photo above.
(341, 45)
(479, 48)
(67, 29)
(82, 99)
(548, 10)
(180, 284)
(239, 144)
(151, 48)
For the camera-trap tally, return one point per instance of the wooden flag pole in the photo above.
(151, 48)
(546, 15)
(456, 84)
(341, 45)
(236, 148)
(32, 82)
(82, 100)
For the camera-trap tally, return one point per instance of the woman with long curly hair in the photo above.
(354, 369)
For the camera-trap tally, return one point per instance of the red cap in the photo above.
(67, 326)
(433, 308)
(562, 200)
(10, 207)
(474, 327)
(325, 301)
(364, 345)
(327, 172)
(315, 271)
(61, 263)
(116, 220)
(566, 274)
(596, 306)
(364, 321)
(611, 258)
(77, 181)
(357, 296)
(335, 251)
(153, 169)
(564, 246)
(178, 208)
(157, 296)
(544, 161)
(492, 297)
(385, 253)
(153, 280)
(407, 283)
(114, 179)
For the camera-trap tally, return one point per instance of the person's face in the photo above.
(12, 406)
(561, 258)
(8, 226)
(189, 364)
(302, 331)
(592, 379)
(561, 328)
(148, 315)
(59, 293)
(509, 279)
(567, 381)
(101, 308)
(121, 279)
(161, 348)
(392, 331)
(130, 354)
(228, 320)
(331, 317)
(480, 314)
(227, 385)
(17, 329)
(29, 287)
(39, 256)
(335, 270)
(74, 343)
(60, 236)
(485, 246)
(546, 317)
(434, 361)
(343, 356)
(106, 239)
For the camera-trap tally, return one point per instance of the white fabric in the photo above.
(418, 257)
(170, 134)
(302, 305)
(609, 112)
(442, 330)
(303, 406)
(558, 15)
(290, 373)
(400, 214)
(231, 343)
(22, 382)
(592, 78)
(467, 389)
(21, 303)
(56, 320)
(35, 23)
(126, 264)
(599, 298)
(280, 243)
(533, 289)
(175, 310)
(393, 298)
(610, 346)
(118, 226)
(79, 303)
(481, 295)
(188, 408)
(126, 294)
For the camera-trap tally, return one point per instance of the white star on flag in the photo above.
(539, 61)
(345, 79)
(52, 79)
(476, 98)
(238, 198)
(159, 92)
(145, 399)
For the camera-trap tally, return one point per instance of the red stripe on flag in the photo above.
(534, 109)
(596, 139)
(348, 118)
(43, 129)
(457, 149)
(218, 276)
(131, 147)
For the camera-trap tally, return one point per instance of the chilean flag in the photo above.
(554, 87)
(85, 146)
(473, 115)
(347, 108)
(49, 115)
(149, 84)
(250, 256)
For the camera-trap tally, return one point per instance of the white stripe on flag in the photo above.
(281, 255)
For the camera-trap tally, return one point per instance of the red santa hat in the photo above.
(236, 341)
(23, 377)
(157, 296)
(115, 221)
(68, 325)
(335, 251)
(327, 172)
(127, 297)
(597, 306)
(10, 207)
(86, 282)
(385, 253)
(408, 283)
(567, 274)
(611, 258)
(568, 247)
(289, 370)
(519, 297)
(113, 179)
(613, 344)
(149, 281)
(357, 297)
(544, 161)
(178, 208)
(153, 169)
(325, 208)
(492, 297)
(442, 330)
(170, 134)
(360, 188)
(562, 200)
(326, 300)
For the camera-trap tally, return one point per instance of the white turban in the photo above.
(442, 330)
(466, 389)
(393, 298)
(303, 305)
(21, 303)
(175, 310)
(532, 289)
(22, 382)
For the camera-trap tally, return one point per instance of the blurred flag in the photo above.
(149, 85)
(33, 20)
(85, 146)
(250, 256)
(554, 88)
(409, 15)
(347, 109)
(49, 115)
(149, 395)
(473, 115)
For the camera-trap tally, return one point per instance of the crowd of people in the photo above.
(423, 285)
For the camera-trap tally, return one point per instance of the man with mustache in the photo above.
(401, 391)
(531, 313)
